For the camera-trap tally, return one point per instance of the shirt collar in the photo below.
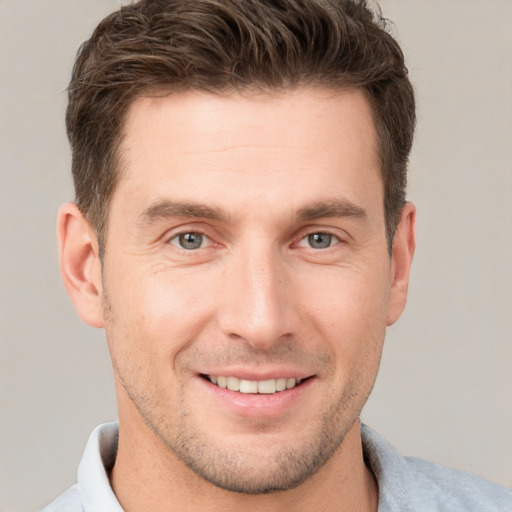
(389, 468)
(96, 494)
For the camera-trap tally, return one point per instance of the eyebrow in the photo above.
(164, 208)
(332, 208)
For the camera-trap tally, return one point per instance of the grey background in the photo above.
(445, 387)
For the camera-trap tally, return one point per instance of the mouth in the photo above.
(266, 387)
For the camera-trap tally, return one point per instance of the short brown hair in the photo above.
(221, 45)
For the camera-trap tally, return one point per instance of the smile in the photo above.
(268, 387)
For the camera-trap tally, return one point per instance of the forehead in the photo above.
(299, 110)
(303, 139)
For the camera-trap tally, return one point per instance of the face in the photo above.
(246, 281)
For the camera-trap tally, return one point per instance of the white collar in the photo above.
(96, 494)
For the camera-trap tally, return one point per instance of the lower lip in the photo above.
(260, 404)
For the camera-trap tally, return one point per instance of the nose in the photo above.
(257, 301)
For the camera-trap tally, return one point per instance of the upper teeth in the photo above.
(254, 386)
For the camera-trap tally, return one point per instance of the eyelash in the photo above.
(177, 237)
(177, 241)
(332, 240)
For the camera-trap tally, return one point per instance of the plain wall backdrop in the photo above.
(445, 387)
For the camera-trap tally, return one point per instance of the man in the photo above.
(241, 233)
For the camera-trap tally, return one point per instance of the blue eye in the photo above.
(189, 241)
(320, 240)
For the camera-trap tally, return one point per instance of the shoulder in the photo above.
(453, 490)
(68, 501)
(411, 484)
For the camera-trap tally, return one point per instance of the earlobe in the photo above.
(404, 244)
(80, 264)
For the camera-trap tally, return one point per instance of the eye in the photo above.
(189, 241)
(319, 240)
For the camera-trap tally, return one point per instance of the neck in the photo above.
(147, 476)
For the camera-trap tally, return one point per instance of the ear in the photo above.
(403, 250)
(80, 264)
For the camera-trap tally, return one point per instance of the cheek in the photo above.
(349, 311)
(346, 296)
(157, 312)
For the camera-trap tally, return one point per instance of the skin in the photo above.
(259, 174)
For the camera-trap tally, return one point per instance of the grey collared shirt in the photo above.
(406, 484)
